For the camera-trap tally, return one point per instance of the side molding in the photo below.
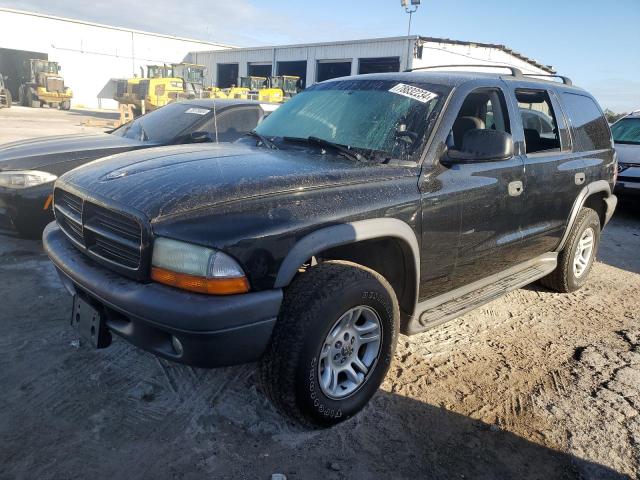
(344, 234)
(594, 187)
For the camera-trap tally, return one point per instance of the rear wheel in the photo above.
(577, 257)
(332, 345)
(8, 99)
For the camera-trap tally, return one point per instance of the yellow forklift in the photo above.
(42, 85)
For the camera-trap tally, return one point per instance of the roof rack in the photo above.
(565, 80)
(516, 72)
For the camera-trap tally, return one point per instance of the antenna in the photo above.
(215, 118)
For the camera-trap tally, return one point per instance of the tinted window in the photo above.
(627, 130)
(538, 121)
(164, 124)
(234, 123)
(590, 129)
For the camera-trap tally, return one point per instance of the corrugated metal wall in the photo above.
(312, 53)
(432, 53)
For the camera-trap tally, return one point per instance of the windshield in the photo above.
(380, 116)
(627, 130)
(165, 124)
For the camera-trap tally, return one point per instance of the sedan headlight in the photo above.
(195, 268)
(25, 178)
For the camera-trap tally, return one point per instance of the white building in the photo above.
(320, 61)
(90, 54)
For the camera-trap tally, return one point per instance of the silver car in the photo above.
(626, 135)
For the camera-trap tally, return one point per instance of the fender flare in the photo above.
(594, 187)
(343, 234)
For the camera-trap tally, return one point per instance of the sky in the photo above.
(595, 42)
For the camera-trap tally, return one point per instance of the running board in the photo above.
(440, 309)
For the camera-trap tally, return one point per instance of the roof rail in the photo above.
(516, 72)
(565, 80)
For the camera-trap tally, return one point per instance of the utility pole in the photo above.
(410, 10)
(410, 7)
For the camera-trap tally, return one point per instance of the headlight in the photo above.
(195, 268)
(24, 178)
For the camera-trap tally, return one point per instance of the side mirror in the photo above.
(200, 137)
(480, 145)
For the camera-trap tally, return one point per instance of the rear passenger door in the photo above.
(554, 174)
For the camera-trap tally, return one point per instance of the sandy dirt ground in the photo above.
(535, 385)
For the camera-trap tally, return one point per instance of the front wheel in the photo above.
(332, 345)
(577, 257)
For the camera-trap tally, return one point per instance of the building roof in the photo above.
(497, 46)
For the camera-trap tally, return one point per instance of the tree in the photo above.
(613, 116)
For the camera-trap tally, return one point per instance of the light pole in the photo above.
(410, 10)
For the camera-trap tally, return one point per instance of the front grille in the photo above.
(113, 237)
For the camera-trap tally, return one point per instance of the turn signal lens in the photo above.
(196, 268)
(210, 286)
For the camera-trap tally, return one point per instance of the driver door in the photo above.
(491, 190)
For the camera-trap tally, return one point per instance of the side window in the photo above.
(482, 109)
(591, 130)
(538, 121)
(234, 123)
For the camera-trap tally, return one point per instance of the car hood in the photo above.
(47, 152)
(175, 180)
(628, 153)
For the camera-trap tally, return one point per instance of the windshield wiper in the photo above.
(321, 142)
(265, 141)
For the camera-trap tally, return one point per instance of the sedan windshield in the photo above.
(165, 124)
(380, 118)
(627, 130)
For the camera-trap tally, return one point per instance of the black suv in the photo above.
(362, 208)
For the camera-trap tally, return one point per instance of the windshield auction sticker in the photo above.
(198, 111)
(419, 94)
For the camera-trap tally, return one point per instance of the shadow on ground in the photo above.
(102, 114)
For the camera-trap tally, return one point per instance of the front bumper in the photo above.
(28, 206)
(626, 187)
(213, 331)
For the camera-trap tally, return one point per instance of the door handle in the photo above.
(515, 188)
(579, 178)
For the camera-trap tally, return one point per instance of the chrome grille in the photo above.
(114, 237)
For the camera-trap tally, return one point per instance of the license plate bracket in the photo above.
(90, 323)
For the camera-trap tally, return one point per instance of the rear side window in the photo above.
(590, 129)
(234, 123)
(538, 121)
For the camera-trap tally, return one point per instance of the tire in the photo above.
(66, 105)
(21, 99)
(30, 102)
(564, 278)
(8, 99)
(315, 301)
